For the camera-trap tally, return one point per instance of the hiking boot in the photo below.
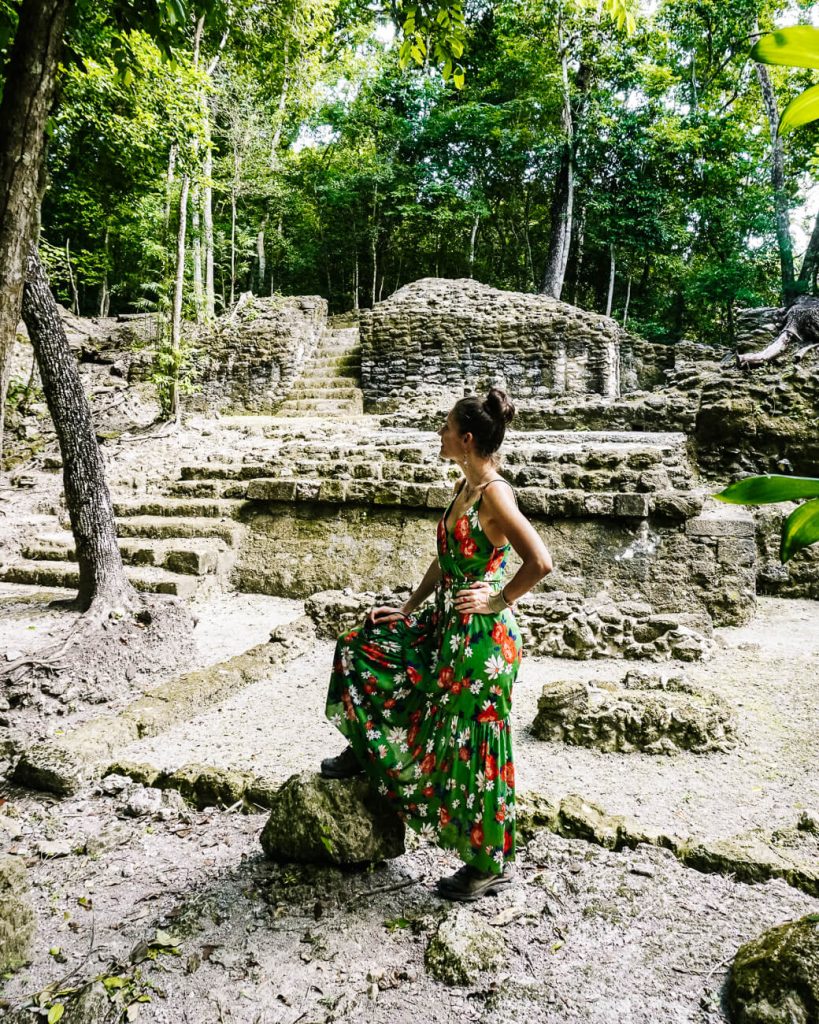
(344, 766)
(468, 884)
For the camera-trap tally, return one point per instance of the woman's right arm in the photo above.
(424, 588)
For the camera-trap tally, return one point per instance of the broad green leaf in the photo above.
(55, 1013)
(800, 530)
(802, 109)
(766, 490)
(458, 78)
(457, 48)
(798, 47)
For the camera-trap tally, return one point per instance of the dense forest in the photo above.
(622, 164)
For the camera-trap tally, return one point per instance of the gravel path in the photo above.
(767, 670)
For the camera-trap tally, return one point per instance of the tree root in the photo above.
(49, 659)
(798, 356)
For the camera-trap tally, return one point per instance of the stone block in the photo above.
(635, 506)
(17, 922)
(331, 821)
(774, 978)
(708, 525)
(463, 946)
(271, 490)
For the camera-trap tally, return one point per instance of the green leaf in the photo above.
(328, 845)
(765, 490)
(802, 109)
(165, 939)
(55, 1013)
(798, 47)
(800, 530)
(458, 78)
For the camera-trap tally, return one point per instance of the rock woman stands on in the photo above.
(423, 696)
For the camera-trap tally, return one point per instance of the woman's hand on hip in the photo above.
(382, 614)
(474, 600)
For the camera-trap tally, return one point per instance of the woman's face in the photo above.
(452, 445)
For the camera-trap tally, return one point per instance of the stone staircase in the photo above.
(329, 383)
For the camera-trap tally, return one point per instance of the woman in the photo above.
(423, 697)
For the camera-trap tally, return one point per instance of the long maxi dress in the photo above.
(425, 702)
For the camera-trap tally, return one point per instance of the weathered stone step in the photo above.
(195, 556)
(207, 508)
(320, 406)
(336, 347)
(303, 391)
(170, 527)
(213, 488)
(333, 362)
(148, 579)
(319, 380)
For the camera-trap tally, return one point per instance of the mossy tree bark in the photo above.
(28, 94)
(103, 587)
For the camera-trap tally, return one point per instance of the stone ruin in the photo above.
(647, 712)
(440, 337)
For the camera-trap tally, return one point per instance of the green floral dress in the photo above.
(425, 702)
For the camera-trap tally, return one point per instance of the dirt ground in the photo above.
(591, 936)
(766, 670)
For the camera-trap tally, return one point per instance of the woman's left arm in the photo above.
(501, 518)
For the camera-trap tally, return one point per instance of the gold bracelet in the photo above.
(497, 602)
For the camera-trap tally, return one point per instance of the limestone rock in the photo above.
(331, 821)
(52, 768)
(581, 819)
(651, 713)
(775, 978)
(17, 923)
(463, 946)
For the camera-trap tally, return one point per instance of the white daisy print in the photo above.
(494, 665)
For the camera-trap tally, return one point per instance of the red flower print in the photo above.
(507, 773)
(351, 635)
(461, 530)
(464, 753)
(428, 791)
(468, 547)
(490, 767)
(444, 816)
(413, 675)
(390, 703)
(500, 813)
(370, 687)
(428, 764)
(415, 716)
(507, 842)
(347, 701)
(445, 676)
(456, 687)
(508, 649)
(499, 633)
(466, 619)
(375, 654)
(476, 835)
(412, 734)
(489, 714)
(483, 750)
(495, 562)
(442, 534)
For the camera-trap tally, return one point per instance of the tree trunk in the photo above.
(28, 93)
(780, 196)
(169, 179)
(577, 244)
(563, 198)
(196, 246)
(233, 243)
(261, 267)
(612, 269)
(75, 295)
(810, 261)
(105, 295)
(472, 238)
(207, 214)
(102, 578)
(628, 301)
(178, 292)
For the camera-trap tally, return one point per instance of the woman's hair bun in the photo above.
(498, 406)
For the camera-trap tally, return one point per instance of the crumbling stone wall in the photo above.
(646, 712)
(254, 354)
(553, 624)
(441, 336)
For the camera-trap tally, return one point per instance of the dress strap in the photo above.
(499, 480)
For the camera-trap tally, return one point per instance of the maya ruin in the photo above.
(169, 851)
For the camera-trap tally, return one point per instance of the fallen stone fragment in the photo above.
(581, 819)
(775, 978)
(53, 848)
(17, 922)
(331, 821)
(462, 947)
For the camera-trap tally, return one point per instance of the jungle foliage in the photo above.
(336, 158)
